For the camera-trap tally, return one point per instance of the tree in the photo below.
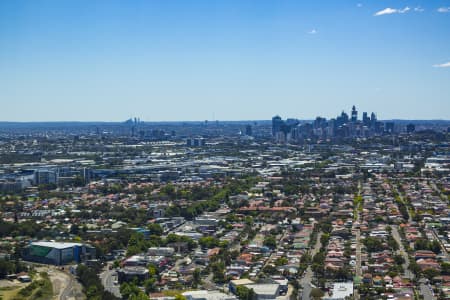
(92, 284)
(445, 267)
(244, 293)
(392, 243)
(430, 273)
(324, 238)
(281, 261)
(399, 260)
(209, 242)
(270, 241)
(150, 285)
(373, 244)
(218, 269)
(196, 277)
(155, 229)
(74, 229)
(317, 293)
(180, 297)
(270, 270)
(152, 270)
(129, 289)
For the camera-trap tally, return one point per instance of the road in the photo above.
(402, 252)
(305, 281)
(108, 277)
(73, 290)
(65, 287)
(443, 250)
(358, 270)
(403, 201)
(425, 290)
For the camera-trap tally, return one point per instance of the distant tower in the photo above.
(354, 114)
(366, 119)
(248, 130)
(277, 123)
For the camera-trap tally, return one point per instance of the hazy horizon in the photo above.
(211, 121)
(223, 60)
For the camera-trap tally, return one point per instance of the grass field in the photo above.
(40, 289)
(8, 293)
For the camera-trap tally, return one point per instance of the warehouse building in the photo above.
(56, 253)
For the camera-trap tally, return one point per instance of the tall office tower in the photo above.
(373, 120)
(343, 118)
(277, 124)
(366, 119)
(248, 130)
(354, 114)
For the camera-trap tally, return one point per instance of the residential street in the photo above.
(108, 277)
(402, 252)
(305, 281)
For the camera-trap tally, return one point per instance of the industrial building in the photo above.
(56, 253)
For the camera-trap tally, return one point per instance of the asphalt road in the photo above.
(425, 290)
(402, 252)
(108, 277)
(305, 281)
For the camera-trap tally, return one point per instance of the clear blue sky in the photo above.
(228, 60)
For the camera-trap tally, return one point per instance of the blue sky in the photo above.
(228, 60)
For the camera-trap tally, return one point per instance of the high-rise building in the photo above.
(248, 130)
(354, 114)
(277, 124)
(366, 119)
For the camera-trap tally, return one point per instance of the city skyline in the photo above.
(222, 60)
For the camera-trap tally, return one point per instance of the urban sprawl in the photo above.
(346, 208)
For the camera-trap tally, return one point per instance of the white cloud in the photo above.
(418, 9)
(443, 9)
(312, 31)
(386, 11)
(444, 65)
(406, 9)
(390, 11)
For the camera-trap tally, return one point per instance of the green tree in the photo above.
(244, 293)
(196, 277)
(430, 273)
(317, 293)
(270, 241)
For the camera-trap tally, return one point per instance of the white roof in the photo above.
(56, 245)
(264, 288)
(208, 295)
(342, 290)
